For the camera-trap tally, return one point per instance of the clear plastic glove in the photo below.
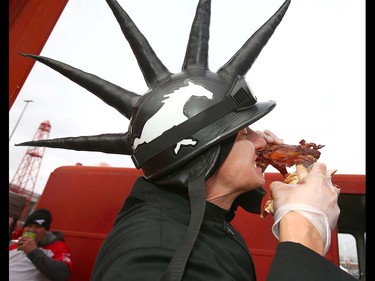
(270, 137)
(314, 197)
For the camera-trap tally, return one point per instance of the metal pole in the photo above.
(27, 102)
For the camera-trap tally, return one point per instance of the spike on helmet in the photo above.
(183, 114)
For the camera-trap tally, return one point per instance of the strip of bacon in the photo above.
(281, 156)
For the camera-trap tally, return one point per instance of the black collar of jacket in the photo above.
(173, 198)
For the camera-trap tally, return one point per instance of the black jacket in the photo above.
(151, 225)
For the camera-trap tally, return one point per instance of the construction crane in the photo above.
(21, 188)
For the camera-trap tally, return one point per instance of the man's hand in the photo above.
(26, 244)
(314, 197)
(270, 137)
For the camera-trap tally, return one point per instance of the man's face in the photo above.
(40, 231)
(239, 168)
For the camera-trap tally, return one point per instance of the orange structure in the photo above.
(30, 24)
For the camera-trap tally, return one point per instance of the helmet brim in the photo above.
(208, 136)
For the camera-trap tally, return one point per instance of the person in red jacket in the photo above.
(39, 254)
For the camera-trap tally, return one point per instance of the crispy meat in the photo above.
(282, 156)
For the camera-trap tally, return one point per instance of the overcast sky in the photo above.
(313, 66)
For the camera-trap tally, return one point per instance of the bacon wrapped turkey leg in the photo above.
(281, 156)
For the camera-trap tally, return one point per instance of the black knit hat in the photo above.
(41, 217)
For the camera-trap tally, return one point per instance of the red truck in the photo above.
(85, 200)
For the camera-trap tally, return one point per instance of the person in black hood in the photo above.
(190, 135)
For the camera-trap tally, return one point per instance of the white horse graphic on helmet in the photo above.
(171, 114)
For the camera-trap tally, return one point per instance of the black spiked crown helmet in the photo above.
(182, 114)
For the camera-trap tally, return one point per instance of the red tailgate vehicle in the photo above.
(85, 201)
